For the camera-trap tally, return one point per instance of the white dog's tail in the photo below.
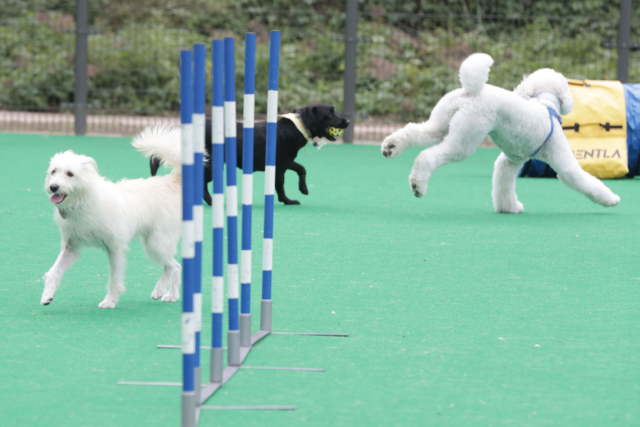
(162, 142)
(474, 72)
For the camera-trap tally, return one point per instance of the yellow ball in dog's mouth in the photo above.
(335, 132)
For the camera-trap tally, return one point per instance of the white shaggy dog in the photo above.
(92, 211)
(519, 123)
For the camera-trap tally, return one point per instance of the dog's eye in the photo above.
(69, 174)
(53, 172)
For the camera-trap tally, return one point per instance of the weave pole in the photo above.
(270, 180)
(247, 186)
(231, 156)
(224, 131)
(217, 163)
(198, 190)
(189, 398)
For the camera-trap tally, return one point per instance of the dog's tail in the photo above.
(162, 142)
(474, 72)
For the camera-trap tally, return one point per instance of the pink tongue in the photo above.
(56, 198)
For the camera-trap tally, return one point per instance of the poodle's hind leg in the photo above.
(466, 133)
(68, 255)
(115, 286)
(560, 157)
(160, 248)
(503, 193)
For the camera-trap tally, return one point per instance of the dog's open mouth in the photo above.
(57, 198)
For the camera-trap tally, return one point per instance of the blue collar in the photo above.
(552, 114)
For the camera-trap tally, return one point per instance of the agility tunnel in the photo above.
(603, 130)
(223, 122)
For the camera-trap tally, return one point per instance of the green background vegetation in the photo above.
(407, 58)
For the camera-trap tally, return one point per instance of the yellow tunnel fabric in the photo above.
(597, 127)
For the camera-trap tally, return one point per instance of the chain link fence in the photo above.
(406, 61)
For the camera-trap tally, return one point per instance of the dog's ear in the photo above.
(90, 163)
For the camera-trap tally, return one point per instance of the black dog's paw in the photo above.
(304, 190)
(291, 202)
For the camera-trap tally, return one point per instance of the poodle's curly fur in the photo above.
(92, 211)
(516, 122)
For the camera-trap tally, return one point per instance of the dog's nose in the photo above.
(54, 187)
(347, 122)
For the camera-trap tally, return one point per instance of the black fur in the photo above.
(316, 117)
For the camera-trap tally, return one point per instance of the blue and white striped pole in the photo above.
(247, 186)
(199, 74)
(217, 166)
(269, 180)
(189, 399)
(233, 334)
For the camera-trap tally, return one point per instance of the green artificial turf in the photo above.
(458, 316)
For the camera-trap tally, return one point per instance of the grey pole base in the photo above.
(188, 409)
(217, 362)
(245, 330)
(265, 315)
(233, 348)
(197, 382)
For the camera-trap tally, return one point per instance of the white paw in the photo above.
(157, 292)
(171, 297)
(390, 147)
(514, 207)
(107, 303)
(47, 297)
(611, 201)
(418, 188)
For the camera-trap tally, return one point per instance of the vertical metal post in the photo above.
(624, 40)
(269, 180)
(80, 93)
(350, 51)
(247, 187)
(189, 401)
(217, 167)
(199, 76)
(233, 333)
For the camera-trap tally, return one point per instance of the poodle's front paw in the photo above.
(47, 296)
(171, 297)
(611, 201)
(107, 303)
(390, 147)
(418, 187)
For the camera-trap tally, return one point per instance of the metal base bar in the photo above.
(233, 348)
(311, 333)
(204, 347)
(265, 315)
(188, 409)
(156, 383)
(245, 330)
(282, 369)
(252, 408)
(258, 336)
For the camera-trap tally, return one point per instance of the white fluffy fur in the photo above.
(97, 212)
(516, 122)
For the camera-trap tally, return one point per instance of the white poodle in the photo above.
(92, 211)
(524, 124)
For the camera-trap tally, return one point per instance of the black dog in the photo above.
(317, 118)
